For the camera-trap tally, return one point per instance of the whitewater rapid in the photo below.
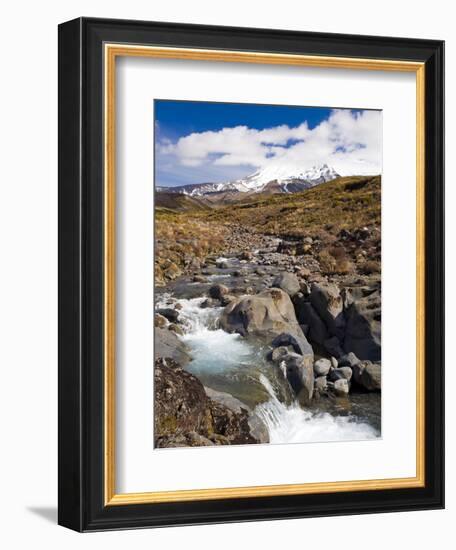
(216, 353)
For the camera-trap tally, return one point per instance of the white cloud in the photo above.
(348, 141)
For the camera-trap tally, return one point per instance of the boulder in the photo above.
(299, 373)
(287, 282)
(321, 384)
(169, 346)
(210, 302)
(278, 354)
(184, 415)
(181, 404)
(169, 313)
(160, 321)
(258, 428)
(328, 303)
(266, 314)
(368, 375)
(296, 340)
(176, 329)
(341, 387)
(217, 291)
(226, 399)
(322, 367)
(363, 327)
(333, 347)
(226, 299)
(339, 373)
(348, 360)
(307, 315)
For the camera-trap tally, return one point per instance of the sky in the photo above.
(199, 142)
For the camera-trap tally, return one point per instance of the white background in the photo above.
(140, 467)
(28, 289)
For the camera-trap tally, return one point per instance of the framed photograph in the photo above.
(250, 274)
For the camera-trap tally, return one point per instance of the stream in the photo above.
(230, 363)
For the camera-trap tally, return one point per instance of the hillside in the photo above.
(345, 203)
(341, 218)
(179, 203)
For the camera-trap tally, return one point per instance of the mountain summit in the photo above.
(273, 178)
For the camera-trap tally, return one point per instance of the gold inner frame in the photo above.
(111, 52)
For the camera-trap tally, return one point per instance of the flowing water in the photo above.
(230, 363)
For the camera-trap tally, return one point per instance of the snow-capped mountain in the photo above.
(281, 178)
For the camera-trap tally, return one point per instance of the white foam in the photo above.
(293, 424)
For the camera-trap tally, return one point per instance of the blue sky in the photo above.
(198, 142)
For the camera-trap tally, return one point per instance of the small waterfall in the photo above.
(293, 424)
(233, 364)
(213, 350)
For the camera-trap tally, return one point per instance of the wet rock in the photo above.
(176, 329)
(160, 321)
(334, 362)
(296, 340)
(322, 367)
(278, 354)
(169, 346)
(299, 373)
(217, 291)
(287, 282)
(226, 399)
(258, 428)
(227, 299)
(186, 416)
(368, 375)
(210, 302)
(171, 314)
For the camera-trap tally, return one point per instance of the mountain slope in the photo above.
(274, 179)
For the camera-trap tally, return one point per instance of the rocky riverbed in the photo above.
(259, 344)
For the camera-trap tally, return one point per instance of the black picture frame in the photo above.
(81, 401)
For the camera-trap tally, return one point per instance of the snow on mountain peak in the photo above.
(286, 178)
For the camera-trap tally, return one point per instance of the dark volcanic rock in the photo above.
(368, 375)
(217, 291)
(298, 342)
(363, 329)
(185, 416)
(300, 375)
(328, 303)
(171, 314)
(307, 315)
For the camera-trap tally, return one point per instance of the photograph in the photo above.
(267, 236)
